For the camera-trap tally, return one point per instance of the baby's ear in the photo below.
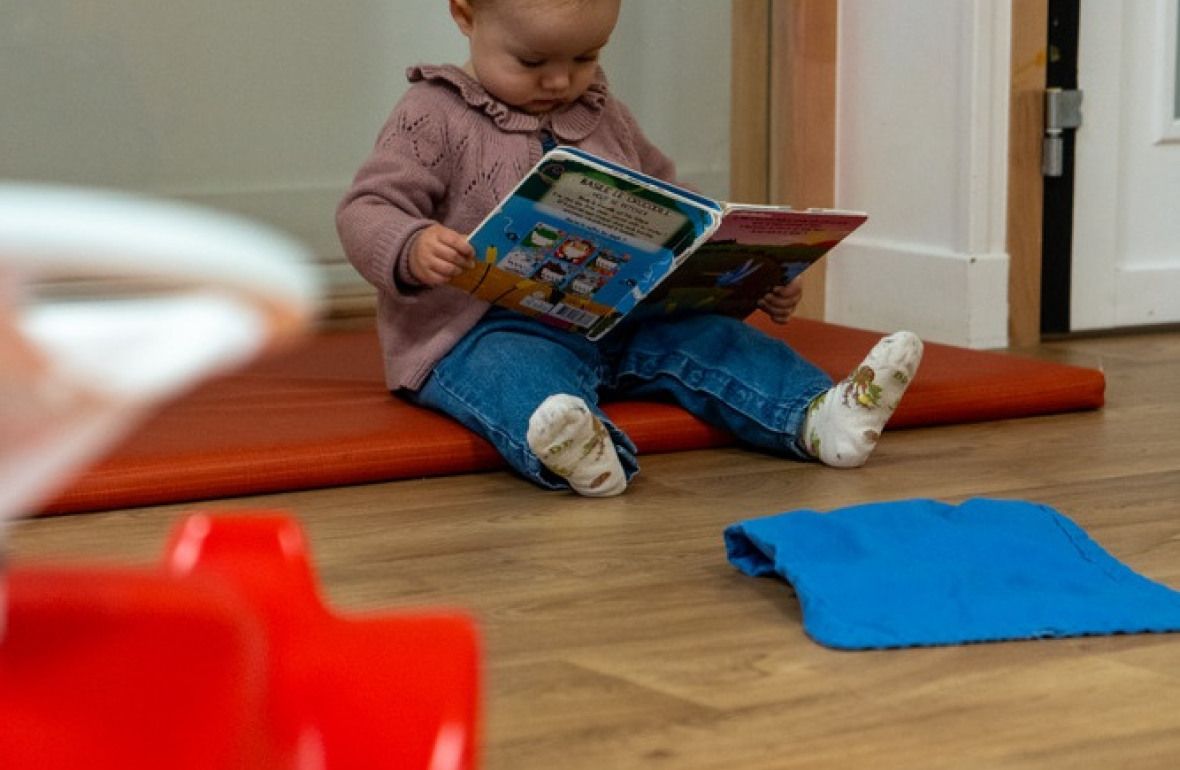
(463, 15)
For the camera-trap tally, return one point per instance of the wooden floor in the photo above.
(617, 636)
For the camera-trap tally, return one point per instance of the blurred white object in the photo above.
(77, 373)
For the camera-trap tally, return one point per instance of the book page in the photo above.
(754, 250)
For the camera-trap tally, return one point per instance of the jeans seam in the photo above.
(787, 441)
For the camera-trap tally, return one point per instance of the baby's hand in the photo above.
(780, 302)
(439, 254)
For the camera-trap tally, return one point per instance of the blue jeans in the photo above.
(720, 369)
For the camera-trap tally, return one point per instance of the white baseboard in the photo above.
(943, 296)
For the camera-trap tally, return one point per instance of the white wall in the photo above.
(256, 107)
(267, 108)
(672, 69)
(922, 146)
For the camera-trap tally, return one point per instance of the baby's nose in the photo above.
(556, 78)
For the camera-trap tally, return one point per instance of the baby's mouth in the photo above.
(545, 105)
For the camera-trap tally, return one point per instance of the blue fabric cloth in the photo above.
(922, 572)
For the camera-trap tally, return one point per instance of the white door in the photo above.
(1126, 237)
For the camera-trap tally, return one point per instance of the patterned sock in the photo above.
(844, 422)
(573, 443)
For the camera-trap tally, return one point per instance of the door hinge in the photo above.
(1063, 111)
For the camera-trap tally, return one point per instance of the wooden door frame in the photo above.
(1026, 185)
(785, 55)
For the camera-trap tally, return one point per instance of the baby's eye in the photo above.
(530, 63)
(587, 59)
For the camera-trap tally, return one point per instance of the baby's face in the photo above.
(537, 55)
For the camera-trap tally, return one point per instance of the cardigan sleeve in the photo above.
(395, 194)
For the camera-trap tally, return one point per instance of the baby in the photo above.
(456, 143)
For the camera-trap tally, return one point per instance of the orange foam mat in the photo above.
(319, 416)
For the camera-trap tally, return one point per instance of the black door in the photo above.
(1057, 225)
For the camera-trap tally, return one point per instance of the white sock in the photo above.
(573, 443)
(844, 422)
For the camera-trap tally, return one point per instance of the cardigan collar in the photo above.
(572, 123)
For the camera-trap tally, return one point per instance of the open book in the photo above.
(582, 243)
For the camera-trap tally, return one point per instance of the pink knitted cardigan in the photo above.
(448, 153)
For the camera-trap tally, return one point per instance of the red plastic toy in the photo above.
(226, 657)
